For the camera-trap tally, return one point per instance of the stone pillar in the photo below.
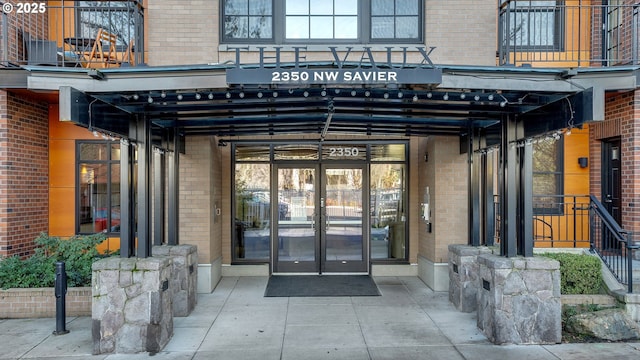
(184, 276)
(464, 276)
(131, 307)
(632, 306)
(519, 300)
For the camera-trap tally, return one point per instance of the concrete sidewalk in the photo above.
(409, 321)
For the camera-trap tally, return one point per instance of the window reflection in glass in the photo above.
(295, 152)
(534, 23)
(117, 17)
(395, 19)
(343, 214)
(296, 214)
(387, 211)
(252, 211)
(321, 19)
(93, 151)
(99, 187)
(388, 152)
(252, 153)
(244, 19)
(547, 176)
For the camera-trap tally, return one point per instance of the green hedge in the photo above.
(579, 273)
(38, 270)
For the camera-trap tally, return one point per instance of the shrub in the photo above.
(579, 273)
(38, 270)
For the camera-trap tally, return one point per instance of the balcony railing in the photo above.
(568, 33)
(91, 34)
(561, 221)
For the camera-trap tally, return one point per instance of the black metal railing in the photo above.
(555, 33)
(92, 34)
(561, 221)
(581, 221)
(613, 244)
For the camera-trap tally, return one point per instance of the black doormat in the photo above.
(321, 285)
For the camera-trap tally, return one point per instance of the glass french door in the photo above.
(321, 219)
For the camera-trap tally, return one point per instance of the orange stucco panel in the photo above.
(61, 211)
(61, 163)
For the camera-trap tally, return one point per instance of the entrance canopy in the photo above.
(197, 100)
(154, 107)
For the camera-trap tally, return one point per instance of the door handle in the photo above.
(608, 199)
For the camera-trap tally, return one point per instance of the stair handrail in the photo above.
(620, 234)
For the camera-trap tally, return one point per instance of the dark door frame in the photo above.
(611, 179)
(321, 264)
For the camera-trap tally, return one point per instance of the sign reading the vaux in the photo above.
(366, 70)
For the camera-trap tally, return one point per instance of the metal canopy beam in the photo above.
(508, 188)
(144, 156)
(88, 111)
(127, 235)
(173, 184)
(474, 214)
(13, 78)
(214, 76)
(159, 175)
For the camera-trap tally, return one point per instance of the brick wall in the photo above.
(41, 303)
(179, 34)
(195, 196)
(621, 112)
(37, 25)
(216, 200)
(24, 170)
(464, 32)
(631, 164)
(445, 173)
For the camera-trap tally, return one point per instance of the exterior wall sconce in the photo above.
(583, 162)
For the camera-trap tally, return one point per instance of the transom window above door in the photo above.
(322, 21)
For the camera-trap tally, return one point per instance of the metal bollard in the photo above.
(61, 292)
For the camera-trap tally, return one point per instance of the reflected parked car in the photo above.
(256, 208)
(100, 220)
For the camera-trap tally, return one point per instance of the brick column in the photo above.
(24, 168)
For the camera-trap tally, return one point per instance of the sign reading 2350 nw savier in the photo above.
(365, 69)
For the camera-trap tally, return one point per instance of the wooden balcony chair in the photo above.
(104, 53)
(129, 54)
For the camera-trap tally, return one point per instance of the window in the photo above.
(535, 24)
(98, 177)
(614, 32)
(294, 185)
(547, 177)
(252, 211)
(248, 20)
(321, 19)
(347, 21)
(395, 19)
(116, 17)
(388, 219)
